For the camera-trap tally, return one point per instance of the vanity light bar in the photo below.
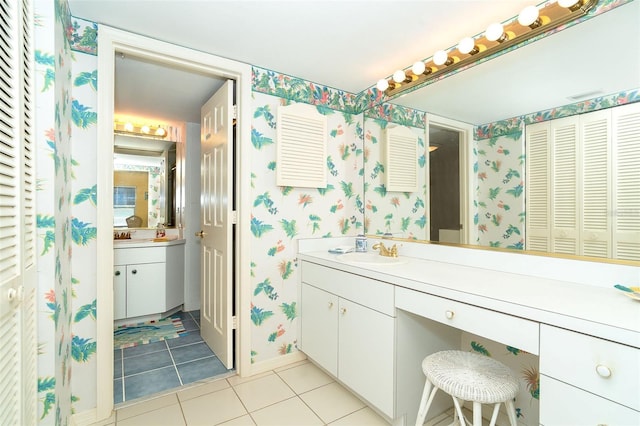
(497, 38)
(149, 131)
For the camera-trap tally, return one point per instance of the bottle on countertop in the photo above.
(361, 243)
(160, 231)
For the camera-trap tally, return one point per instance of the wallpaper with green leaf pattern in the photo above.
(66, 155)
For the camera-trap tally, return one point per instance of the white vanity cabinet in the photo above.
(147, 280)
(347, 328)
(599, 380)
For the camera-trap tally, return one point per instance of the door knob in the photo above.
(201, 234)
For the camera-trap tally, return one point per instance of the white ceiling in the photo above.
(349, 45)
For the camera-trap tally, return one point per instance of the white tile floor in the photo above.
(299, 394)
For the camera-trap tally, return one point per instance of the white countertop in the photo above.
(598, 311)
(145, 242)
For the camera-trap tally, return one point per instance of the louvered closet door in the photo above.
(564, 186)
(537, 187)
(595, 183)
(626, 182)
(18, 374)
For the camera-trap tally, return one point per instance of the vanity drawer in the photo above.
(563, 404)
(130, 256)
(365, 291)
(599, 366)
(509, 330)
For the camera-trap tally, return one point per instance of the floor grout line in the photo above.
(173, 361)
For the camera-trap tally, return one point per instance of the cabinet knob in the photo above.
(343, 311)
(449, 314)
(603, 371)
(330, 305)
(135, 271)
(117, 273)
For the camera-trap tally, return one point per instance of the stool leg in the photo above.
(477, 414)
(458, 412)
(425, 402)
(494, 416)
(511, 412)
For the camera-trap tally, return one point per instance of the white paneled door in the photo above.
(18, 344)
(216, 223)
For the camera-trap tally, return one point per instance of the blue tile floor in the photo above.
(156, 367)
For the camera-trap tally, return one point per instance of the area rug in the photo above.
(129, 335)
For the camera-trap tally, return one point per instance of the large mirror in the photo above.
(599, 57)
(144, 182)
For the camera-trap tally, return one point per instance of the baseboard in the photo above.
(88, 417)
(273, 363)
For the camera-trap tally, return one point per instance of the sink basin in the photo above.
(370, 258)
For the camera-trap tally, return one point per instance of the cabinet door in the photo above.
(145, 289)
(119, 292)
(565, 405)
(366, 354)
(319, 327)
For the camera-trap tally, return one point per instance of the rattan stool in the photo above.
(467, 376)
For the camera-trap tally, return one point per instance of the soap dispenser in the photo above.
(160, 231)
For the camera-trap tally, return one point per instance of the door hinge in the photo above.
(234, 216)
(235, 112)
(234, 322)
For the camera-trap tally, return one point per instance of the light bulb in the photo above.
(495, 32)
(399, 76)
(144, 129)
(467, 45)
(160, 131)
(441, 58)
(382, 84)
(418, 68)
(128, 127)
(529, 17)
(568, 3)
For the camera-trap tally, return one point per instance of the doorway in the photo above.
(112, 41)
(451, 180)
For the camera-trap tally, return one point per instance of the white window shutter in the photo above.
(626, 182)
(564, 186)
(401, 159)
(595, 235)
(301, 147)
(537, 187)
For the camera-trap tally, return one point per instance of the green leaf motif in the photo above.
(258, 228)
(286, 269)
(90, 194)
(266, 288)
(82, 349)
(271, 166)
(289, 310)
(323, 191)
(88, 310)
(347, 188)
(82, 233)
(258, 140)
(516, 191)
(381, 190)
(258, 316)
(81, 115)
(493, 192)
(513, 350)
(90, 78)
(406, 221)
(422, 222)
(477, 347)
(289, 227)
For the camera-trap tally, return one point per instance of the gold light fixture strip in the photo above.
(144, 130)
(491, 42)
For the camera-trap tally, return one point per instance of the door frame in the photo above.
(468, 180)
(110, 41)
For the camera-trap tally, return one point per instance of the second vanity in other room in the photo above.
(370, 325)
(148, 281)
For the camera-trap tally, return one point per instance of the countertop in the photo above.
(598, 311)
(146, 242)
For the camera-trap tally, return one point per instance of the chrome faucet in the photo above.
(388, 252)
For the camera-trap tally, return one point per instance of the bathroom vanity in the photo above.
(148, 278)
(370, 325)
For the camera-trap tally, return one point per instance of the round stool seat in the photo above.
(471, 377)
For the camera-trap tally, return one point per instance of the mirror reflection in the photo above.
(558, 76)
(143, 182)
